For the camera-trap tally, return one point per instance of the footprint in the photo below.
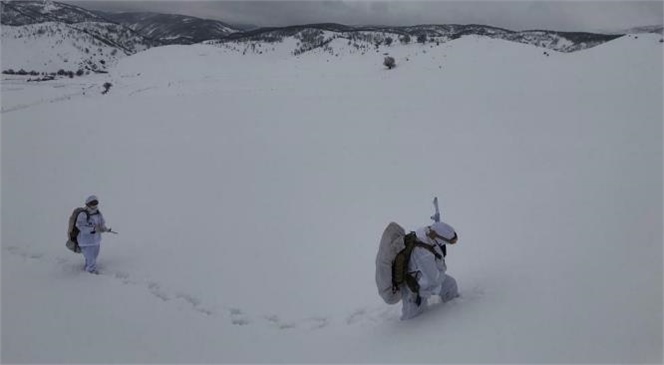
(157, 292)
(14, 250)
(205, 311)
(240, 321)
(315, 323)
(273, 318)
(286, 326)
(373, 315)
(195, 302)
(121, 275)
(238, 318)
(124, 277)
(356, 316)
(20, 251)
(276, 322)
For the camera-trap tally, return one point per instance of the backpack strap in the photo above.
(414, 286)
(87, 215)
(410, 280)
(428, 248)
(411, 239)
(82, 210)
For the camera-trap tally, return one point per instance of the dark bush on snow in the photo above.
(389, 62)
(107, 86)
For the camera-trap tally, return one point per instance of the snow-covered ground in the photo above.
(50, 47)
(250, 193)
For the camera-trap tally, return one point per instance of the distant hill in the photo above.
(317, 35)
(19, 13)
(647, 29)
(171, 28)
(53, 46)
(45, 36)
(49, 36)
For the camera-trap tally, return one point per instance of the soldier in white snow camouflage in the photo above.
(430, 271)
(91, 225)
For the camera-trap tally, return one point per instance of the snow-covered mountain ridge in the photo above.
(53, 46)
(18, 13)
(658, 29)
(311, 35)
(47, 37)
(115, 35)
(172, 28)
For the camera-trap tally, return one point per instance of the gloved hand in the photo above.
(100, 228)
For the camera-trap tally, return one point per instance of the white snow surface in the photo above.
(250, 194)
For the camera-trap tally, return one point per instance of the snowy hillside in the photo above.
(318, 35)
(18, 13)
(250, 193)
(58, 36)
(50, 36)
(117, 36)
(172, 28)
(49, 47)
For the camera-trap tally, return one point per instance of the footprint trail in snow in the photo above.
(237, 317)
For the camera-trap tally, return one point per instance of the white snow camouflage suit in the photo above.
(431, 272)
(89, 239)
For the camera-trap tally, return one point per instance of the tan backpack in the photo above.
(392, 263)
(73, 231)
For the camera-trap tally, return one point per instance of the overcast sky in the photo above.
(563, 15)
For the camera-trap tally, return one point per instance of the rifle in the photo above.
(436, 216)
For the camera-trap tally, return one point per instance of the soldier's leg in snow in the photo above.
(409, 308)
(90, 253)
(449, 289)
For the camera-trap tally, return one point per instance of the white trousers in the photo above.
(90, 253)
(410, 309)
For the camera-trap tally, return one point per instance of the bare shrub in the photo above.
(389, 62)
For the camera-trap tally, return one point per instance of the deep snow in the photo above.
(250, 193)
